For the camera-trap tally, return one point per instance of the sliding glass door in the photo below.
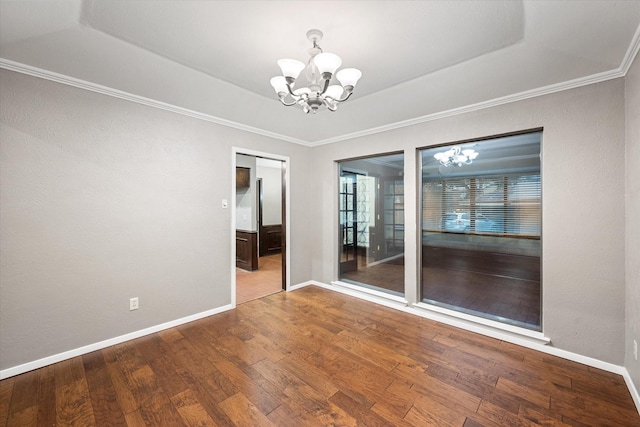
(348, 222)
(371, 223)
(481, 228)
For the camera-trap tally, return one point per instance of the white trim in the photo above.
(537, 336)
(287, 161)
(362, 295)
(533, 93)
(615, 73)
(524, 341)
(632, 51)
(301, 285)
(486, 327)
(621, 71)
(26, 367)
(45, 361)
(632, 389)
(378, 294)
(104, 90)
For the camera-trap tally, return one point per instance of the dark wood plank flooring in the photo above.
(315, 357)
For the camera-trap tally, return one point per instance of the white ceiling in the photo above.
(419, 59)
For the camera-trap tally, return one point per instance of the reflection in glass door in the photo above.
(394, 216)
(371, 221)
(348, 223)
(481, 229)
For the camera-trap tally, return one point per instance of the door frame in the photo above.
(349, 265)
(286, 215)
(259, 215)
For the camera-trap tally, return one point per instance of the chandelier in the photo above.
(456, 156)
(318, 72)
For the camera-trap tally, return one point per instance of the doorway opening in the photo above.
(260, 225)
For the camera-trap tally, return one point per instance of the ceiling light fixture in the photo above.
(456, 156)
(318, 71)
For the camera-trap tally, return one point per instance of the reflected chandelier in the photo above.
(456, 156)
(319, 70)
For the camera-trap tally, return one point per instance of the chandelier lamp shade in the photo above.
(318, 72)
(455, 156)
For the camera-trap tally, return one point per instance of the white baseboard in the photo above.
(632, 389)
(501, 335)
(301, 285)
(589, 361)
(45, 361)
(367, 296)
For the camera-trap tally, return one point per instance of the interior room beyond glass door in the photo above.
(481, 229)
(371, 223)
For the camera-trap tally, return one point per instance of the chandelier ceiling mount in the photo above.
(319, 70)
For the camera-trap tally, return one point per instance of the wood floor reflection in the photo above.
(266, 280)
(489, 284)
(498, 286)
(384, 275)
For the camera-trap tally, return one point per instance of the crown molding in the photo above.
(621, 71)
(534, 93)
(104, 90)
(632, 52)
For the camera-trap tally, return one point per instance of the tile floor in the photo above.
(266, 280)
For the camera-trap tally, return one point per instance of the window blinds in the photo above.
(500, 205)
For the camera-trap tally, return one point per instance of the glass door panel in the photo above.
(371, 221)
(481, 234)
(348, 224)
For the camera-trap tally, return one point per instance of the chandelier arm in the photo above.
(297, 98)
(282, 97)
(286, 104)
(349, 93)
(291, 91)
(331, 107)
(326, 84)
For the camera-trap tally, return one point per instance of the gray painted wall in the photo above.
(583, 206)
(632, 231)
(104, 199)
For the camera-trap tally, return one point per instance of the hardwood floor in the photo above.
(266, 280)
(316, 357)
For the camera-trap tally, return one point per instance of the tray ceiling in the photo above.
(419, 59)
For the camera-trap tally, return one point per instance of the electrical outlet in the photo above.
(635, 349)
(133, 303)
